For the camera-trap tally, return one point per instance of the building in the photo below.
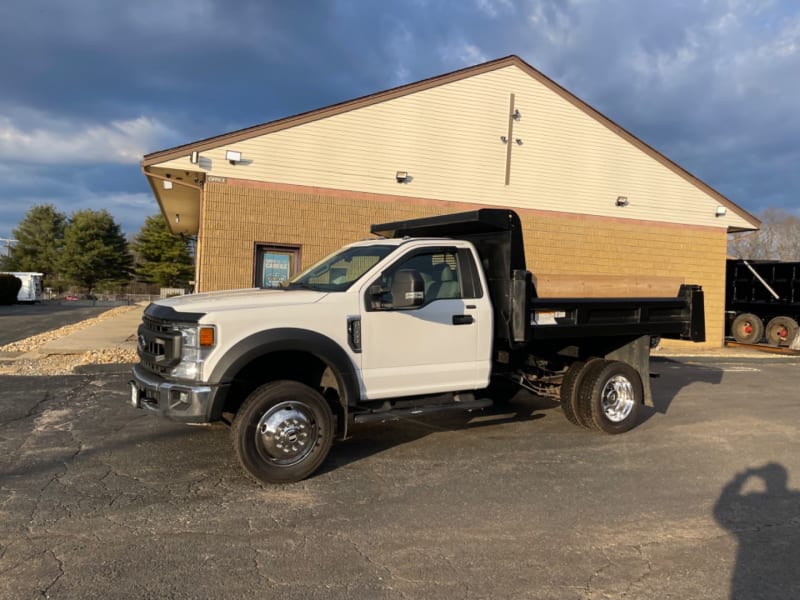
(603, 212)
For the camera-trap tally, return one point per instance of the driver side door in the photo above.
(432, 348)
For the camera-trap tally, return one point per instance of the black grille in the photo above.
(159, 345)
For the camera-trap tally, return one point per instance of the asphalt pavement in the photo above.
(19, 321)
(701, 500)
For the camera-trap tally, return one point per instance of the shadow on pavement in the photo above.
(671, 377)
(371, 439)
(759, 510)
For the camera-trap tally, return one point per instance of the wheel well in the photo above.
(293, 365)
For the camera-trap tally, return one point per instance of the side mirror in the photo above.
(408, 289)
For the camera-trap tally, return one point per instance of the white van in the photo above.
(31, 290)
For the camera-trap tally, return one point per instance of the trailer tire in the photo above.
(282, 432)
(781, 331)
(747, 328)
(569, 393)
(611, 396)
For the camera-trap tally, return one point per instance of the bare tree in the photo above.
(778, 238)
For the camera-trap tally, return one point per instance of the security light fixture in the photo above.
(721, 211)
(233, 157)
(516, 116)
(622, 201)
(167, 184)
(504, 139)
(194, 157)
(519, 141)
(401, 176)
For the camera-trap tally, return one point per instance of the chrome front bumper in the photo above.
(179, 401)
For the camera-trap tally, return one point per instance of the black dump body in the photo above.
(767, 288)
(519, 312)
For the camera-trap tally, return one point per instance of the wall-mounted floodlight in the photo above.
(504, 139)
(167, 184)
(519, 141)
(721, 211)
(194, 157)
(622, 201)
(401, 176)
(233, 157)
(516, 116)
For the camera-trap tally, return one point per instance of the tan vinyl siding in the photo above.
(448, 139)
(647, 254)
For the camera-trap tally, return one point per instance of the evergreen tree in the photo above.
(95, 250)
(161, 257)
(40, 236)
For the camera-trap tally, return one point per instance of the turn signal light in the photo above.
(207, 338)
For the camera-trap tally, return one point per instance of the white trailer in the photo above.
(31, 290)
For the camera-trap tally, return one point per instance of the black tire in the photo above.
(610, 396)
(781, 331)
(747, 328)
(569, 393)
(282, 432)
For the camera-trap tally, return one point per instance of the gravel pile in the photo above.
(62, 364)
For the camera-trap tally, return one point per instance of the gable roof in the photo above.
(500, 63)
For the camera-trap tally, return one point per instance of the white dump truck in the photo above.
(435, 314)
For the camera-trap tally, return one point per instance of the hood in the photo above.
(240, 299)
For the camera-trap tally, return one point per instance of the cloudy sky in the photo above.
(89, 86)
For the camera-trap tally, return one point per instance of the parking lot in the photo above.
(701, 500)
(19, 321)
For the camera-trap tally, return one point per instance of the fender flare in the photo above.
(291, 339)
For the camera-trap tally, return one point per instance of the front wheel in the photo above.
(282, 432)
(610, 396)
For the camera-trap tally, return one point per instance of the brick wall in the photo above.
(236, 215)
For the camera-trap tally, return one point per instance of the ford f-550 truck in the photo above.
(436, 314)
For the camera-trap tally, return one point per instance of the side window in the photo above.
(439, 270)
(470, 279)
(445, 280)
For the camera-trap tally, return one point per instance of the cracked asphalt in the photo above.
(98, 500)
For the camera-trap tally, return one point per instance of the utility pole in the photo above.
(8, 243)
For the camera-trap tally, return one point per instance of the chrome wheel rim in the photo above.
(286, 433)
(617, 399)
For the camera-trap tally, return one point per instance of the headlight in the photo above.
(197, 341)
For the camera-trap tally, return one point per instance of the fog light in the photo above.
(179, 399)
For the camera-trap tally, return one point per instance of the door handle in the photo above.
(462, 319)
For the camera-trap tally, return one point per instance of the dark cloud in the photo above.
(712, 84)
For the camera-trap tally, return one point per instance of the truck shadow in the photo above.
(374, 438)
(671, 377)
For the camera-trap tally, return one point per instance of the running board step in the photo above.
(400, 413)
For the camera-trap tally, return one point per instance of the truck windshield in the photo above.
(340, 270)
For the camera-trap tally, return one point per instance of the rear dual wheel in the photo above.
(569, 393)
(603, 394)
(747, 328)
(781, 331)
